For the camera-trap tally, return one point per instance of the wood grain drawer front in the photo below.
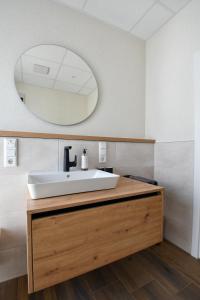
(70, 244)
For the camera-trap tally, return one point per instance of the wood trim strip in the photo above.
(40, 135)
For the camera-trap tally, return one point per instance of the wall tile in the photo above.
(13, 193)
(93, 156)
(174, 170)
(12, 263)
(38, 154)
(178, 234)
(33, 154)
(135, 159)
(1, 152)
(13, 230)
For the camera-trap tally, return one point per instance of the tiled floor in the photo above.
(161, 272)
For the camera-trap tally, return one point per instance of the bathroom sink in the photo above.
(49, 184)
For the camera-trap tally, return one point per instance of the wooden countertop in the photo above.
(125, 188)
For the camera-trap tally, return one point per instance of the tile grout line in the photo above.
(181, 273)
(177, 269)
(156, 281)
(143, 16)
(105, 286)
(84, 5)
(181, 290)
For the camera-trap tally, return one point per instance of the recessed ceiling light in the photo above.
(41, 69)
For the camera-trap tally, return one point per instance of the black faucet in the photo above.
(67, 163)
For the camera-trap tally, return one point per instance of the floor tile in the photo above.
(114, 291)
(162, 272)
(152, 291)
(191, 292)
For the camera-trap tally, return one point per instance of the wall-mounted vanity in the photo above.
(73, 234)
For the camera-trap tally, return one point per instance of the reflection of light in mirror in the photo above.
(58, 85)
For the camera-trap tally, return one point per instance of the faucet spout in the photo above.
(67, 163)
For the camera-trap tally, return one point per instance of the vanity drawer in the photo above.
(72, 243)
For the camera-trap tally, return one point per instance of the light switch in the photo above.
(10, 152)
(102, 152)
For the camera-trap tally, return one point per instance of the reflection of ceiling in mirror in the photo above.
(55, 67)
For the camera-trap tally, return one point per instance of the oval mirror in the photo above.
(56, 84)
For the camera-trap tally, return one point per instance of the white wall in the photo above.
(169, 77)
(116, 57)
(170, 116)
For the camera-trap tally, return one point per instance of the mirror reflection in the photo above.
(56, 84)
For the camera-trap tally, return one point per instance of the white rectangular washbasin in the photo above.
(50, 184)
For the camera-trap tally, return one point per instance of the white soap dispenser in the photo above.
(84, 160)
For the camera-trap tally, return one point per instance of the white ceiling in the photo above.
(140, 17)
(67, 71)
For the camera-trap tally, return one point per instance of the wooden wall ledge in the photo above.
(39, 135)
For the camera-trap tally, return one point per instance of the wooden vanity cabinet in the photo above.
(66, 242)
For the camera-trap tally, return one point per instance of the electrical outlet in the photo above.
(10, 152)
